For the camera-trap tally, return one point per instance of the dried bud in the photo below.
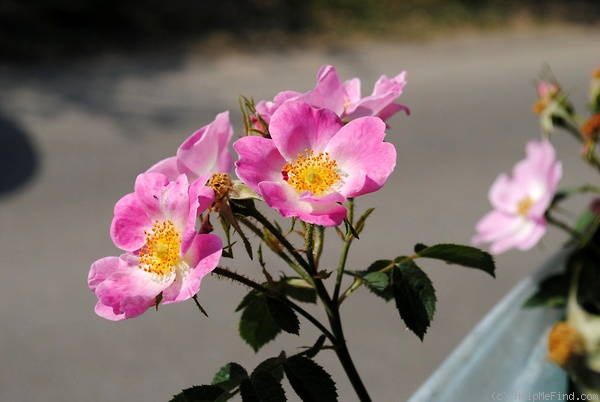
(222, 184)
(565, 345)
(591, 127)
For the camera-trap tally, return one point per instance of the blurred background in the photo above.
(42, 29)
(93, 93)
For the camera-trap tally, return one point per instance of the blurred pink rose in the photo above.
(520, 201)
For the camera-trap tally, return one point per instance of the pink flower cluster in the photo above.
(325, 146)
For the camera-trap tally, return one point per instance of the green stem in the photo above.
(309, 239)
(320, 241)
(343, 354)
(339, 342)
(344, 254)
(341, 267)
(280, 253)
(563, 226)
(587, 188)
(250, 210)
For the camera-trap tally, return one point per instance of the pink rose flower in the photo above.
(344, 98)
(165, 258)
(313, 162)
(207, 150)
(520, 202)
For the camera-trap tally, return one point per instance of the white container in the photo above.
(504, 357)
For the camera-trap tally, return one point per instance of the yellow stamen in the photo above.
(524, 206)
(315, 173)
(160, 254)
(347, 103)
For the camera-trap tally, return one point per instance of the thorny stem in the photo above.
(253, 212)
(343, 354)
(310, 246)
(339, 342)
(281, 254)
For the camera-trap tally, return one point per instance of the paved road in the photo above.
(75, 135)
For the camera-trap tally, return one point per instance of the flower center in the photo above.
(160, 254)
(524, 206)
(347, 103)
(315, 173)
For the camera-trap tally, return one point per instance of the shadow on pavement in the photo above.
(18, 157)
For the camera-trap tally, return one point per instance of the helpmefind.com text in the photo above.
(543, 396)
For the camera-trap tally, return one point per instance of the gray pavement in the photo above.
(75, 135)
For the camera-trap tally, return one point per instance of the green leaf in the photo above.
(251, 297)
(587, 225)
(379, 265)
(350, 229)
(309, 380)
(374, 282)
(360, 224)
(551, 292)
(458, 254)
(419, 247)
(200, 393)
(316, 348)
(414, 296)
(228, 247)
(229, 376)
(298, 289)
(262, 387)
(248, 392)
(256, 324)
(588, 283)
(377, 280)
(273, 365)
(283, 315)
